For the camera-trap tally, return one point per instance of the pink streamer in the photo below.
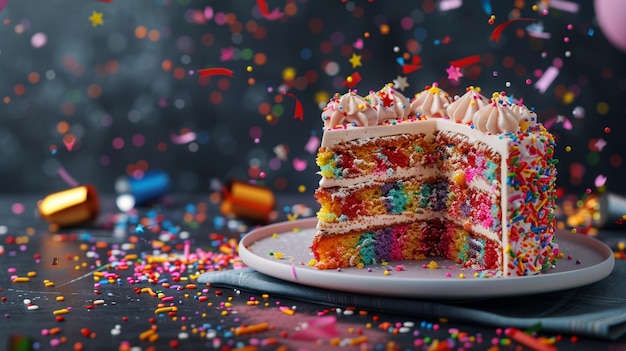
(447, 5)
(563, 5)
(184, 138)
(3, 3)
(67, 177)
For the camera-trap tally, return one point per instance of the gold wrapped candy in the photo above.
(70, 207)
(247, 201)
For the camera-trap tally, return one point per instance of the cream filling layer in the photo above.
(388, 220)
(401, 174)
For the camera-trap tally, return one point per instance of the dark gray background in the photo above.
(141, 98)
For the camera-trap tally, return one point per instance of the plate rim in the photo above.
(429, 287)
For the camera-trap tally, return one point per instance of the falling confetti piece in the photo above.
(546, 79)
(563, 5)
(410, 67)
(208, 72)
(600, 181)
(183, 138)
(495, 35)
(67, 177)
(447, 5)
(69, 144)
(3, 4)
(96, 19)
(466, 61)
(226, 54)
(358, 44)
(265, 11)
(486, 4)
(454, 73)
(352, 80)
(312, 144)
(600, 144)
(298, 112)
(560, 119)
(535, 30)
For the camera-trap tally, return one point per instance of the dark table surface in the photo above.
(99, 287)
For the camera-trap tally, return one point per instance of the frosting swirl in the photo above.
(526, 117)
(432, 102)
(349, 108)
(389, 104)
(463, 108)
(496, 117)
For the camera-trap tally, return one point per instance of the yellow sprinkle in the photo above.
(49, 284)
(32, 274)
(386, 272)
(278, 255)
(21, 280)
(61, 311)
(60, 298)
(462, 276)
(275, 236)
(432, 265)
(130, 257)
(165, 309)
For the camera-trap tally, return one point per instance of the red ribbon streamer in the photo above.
(266, 12)
(207, 72)
(355, 78)
(495, 35)
(466, 61)
(298, 113)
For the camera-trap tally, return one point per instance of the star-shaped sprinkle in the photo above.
(600, 144)
(355, 60)
(386, 98)
(96, 18)
(454, 73)
(400, 83)
(139, 228)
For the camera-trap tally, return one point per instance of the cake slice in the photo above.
(470, 180)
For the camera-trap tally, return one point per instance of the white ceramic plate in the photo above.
(586, 261)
